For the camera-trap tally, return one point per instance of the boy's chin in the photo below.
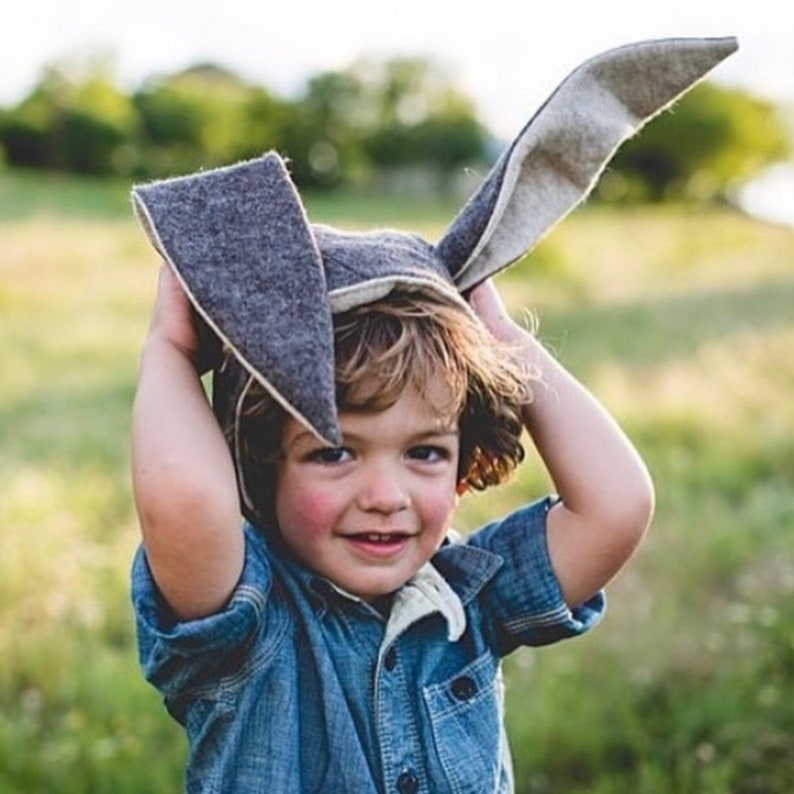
(374, 592)
(377, 595)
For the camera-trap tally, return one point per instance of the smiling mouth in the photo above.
(379, 545)
(380, 537)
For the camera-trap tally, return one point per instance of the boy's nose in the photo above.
(383, 492)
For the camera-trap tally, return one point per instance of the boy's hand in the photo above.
(175, 322)
(172, 319)
(487, 304)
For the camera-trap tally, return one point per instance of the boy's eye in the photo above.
(330, 455)
(428, 453)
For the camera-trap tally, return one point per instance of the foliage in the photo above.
(714, 139)
(347, 123)
(396, 117)
(686, 334)
(419, 118)
(204, 116)
(73, 120)
(400, 113)
(320, 136)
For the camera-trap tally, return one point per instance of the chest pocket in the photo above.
(466, 717)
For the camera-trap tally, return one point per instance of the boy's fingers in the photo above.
(185, 327)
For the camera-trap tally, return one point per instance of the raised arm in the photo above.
(606, 495)
(183, 476)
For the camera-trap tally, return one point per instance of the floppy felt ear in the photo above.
(259, 274)
(238, 240)
(554, 162)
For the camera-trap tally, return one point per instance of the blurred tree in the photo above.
(74, 119)
(401, 116)
(418, 117)
(201, 117)
(264, 118)
(321, 135)
(380, 115)
(713, 140)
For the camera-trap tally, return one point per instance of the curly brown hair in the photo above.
(404, 340)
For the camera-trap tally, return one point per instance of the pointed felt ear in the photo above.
(240, 244)
(555, 161)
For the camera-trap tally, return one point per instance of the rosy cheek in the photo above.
(313, 511)
(438, 511)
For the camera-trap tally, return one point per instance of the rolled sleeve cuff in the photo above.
(529, 605)
(162, 637)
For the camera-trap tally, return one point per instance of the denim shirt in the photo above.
(297, 687)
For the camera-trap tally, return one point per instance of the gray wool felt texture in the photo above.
(266, 281)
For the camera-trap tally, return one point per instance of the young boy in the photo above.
(344, 639)
(352, 645)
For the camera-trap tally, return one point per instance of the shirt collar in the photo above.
(423, 594)
(467, 569)
(456, 573)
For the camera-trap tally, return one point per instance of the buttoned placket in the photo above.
(398, 734)
(396, 723)
(401, 750)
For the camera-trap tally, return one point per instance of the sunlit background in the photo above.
(506, 55)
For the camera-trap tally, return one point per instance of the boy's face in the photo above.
(368, 514)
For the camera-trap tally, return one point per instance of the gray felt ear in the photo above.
(239, 242)
(554, 162)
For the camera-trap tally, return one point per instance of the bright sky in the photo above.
(508, 55)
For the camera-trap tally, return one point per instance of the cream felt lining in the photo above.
(556, 160)
(347, 298)
(550, 170)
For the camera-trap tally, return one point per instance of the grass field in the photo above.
(681, 320)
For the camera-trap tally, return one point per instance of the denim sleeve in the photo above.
(523, 604)
(178, 656)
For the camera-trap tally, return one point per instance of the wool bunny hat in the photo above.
(267, 281)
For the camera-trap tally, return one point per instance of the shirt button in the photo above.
(408, 783)
(464, 688)
(390, 659)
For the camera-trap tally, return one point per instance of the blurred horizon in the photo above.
(508, 70)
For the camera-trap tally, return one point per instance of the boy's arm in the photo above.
(606, 495)
(183, 476)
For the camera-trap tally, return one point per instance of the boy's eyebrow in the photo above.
(421, 435)
(413, 437)
(441, 432)
(299, 438)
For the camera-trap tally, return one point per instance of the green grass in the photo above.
(29, 194)
(682, 321)
(24, 194)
